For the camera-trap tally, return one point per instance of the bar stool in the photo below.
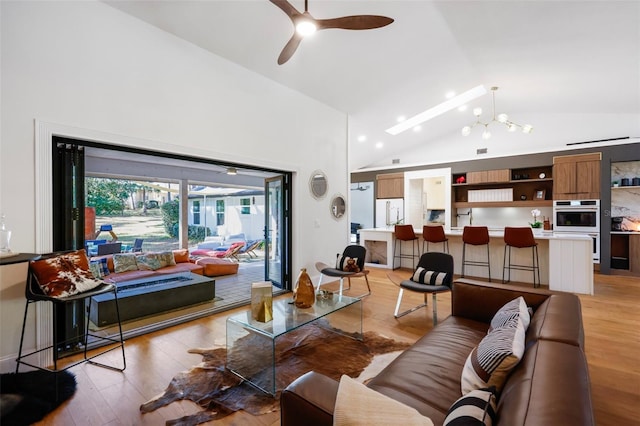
(521, 237)
(405, 233)
(476, 236)
(434, 234)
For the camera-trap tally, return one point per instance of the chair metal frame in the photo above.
(353, 251)
(404, 233)
(528, 241)
(432, 261)
(470, 239)
(34, 294)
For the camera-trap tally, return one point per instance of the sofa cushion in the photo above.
(123, 262)
(181, 255)
(550, 386)
(64, 275)
(356, 404)
(559, 318)
(422, 276)
(477, 408)
(427, 375)
(496, 355)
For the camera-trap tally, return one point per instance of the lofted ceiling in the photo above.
(547, 57)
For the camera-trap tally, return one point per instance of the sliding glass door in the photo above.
(277, 236)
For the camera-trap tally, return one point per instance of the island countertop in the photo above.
(566, 259)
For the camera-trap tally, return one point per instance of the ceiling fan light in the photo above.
(477, 111)
(502, 118)
(306, 27)
(527, 128)
(466, 131)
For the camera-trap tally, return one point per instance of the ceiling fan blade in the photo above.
(287, 8)
(290, 48)
(356, 22)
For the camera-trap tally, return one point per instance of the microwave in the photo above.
(581, 216)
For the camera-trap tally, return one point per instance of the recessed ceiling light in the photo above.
(379, 145)
(232, 171)
(450, 95)
(362, 138)
(437, 110)
(417, 128)
(401, 118)
(463, 108)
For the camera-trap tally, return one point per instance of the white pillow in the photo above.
(510, 311)
(356, 404)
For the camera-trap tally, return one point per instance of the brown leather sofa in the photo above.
(550, 385)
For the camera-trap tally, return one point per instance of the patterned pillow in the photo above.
(496, 355)
(431, 277)
(343, 263)
(99, 267)
(166, 258)
(64, 275)
(511, 311)
(477, 408)
(148, 262)
(123, 262)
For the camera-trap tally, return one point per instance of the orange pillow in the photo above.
(181, 255)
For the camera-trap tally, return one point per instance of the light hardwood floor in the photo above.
(612, 327)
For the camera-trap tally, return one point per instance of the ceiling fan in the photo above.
(306, 24)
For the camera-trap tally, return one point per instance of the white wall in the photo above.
(89, 66)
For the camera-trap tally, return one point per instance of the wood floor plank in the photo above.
(612, 334)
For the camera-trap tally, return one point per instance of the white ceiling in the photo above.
(547, 57)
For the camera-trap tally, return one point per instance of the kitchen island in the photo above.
(566, 262)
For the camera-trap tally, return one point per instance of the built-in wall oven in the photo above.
(580, 217)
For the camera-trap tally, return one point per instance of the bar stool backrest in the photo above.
(433, 234)
(405, 232)
(475, 235)
(519, 237)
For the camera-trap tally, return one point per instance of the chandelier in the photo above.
(500, 118)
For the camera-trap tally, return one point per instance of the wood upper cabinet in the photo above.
(576, 177)
(390, 185)
(489, 176)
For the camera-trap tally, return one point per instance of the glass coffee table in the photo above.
(251, 345)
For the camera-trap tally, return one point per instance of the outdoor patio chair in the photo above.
(137, 245)
(249, 248)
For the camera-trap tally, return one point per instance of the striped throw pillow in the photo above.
(476, 408)
(511, 311)
(492, 360)
(421, 275)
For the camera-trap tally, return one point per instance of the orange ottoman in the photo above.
(214, 267)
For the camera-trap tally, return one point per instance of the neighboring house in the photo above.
(224, 214)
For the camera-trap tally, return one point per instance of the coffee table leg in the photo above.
(251, 356)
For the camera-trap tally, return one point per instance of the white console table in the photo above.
(566, 262)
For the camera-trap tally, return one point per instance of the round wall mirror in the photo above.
(338, 206)
(318, 184)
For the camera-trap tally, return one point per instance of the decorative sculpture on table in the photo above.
(304, 294)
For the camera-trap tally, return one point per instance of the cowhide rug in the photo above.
(220, 392)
